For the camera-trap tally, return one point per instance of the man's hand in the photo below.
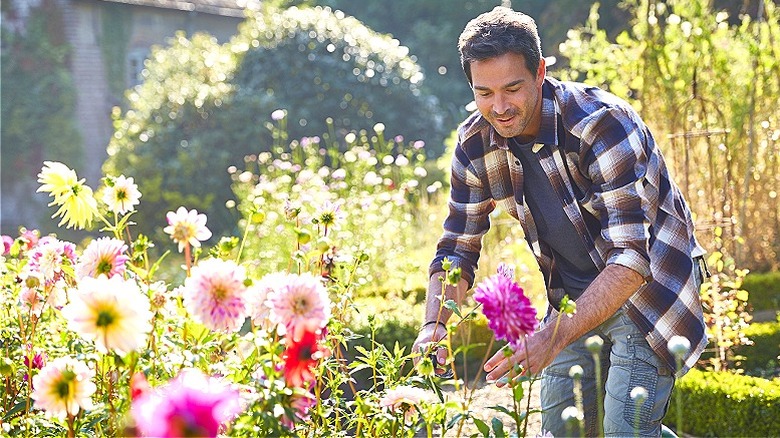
(427, 344)
(533, 355)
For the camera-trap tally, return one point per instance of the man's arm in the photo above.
(436, 312)
(609, 290)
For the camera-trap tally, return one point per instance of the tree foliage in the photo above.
(431, 28)
(38, 98)
(203, 106)
(707, 84)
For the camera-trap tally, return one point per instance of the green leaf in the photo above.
(498, 428)
(17, 408)
(450, 304)
(482, 427)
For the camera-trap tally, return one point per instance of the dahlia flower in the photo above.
(121, 194)
(77, 205)
(301, 356)
(103, 256)
(257, 297)
(63, 387)
(48, 258)
(215, 295)
(509, 312)
(301, 404)
(300, 300)
(192, 404)
(405, 399)
(187, 227)
(111, 311)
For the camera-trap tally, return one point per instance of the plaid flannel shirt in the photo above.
(602, 159)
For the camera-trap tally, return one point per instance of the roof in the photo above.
(229, 8)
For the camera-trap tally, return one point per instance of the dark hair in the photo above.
(496, 33)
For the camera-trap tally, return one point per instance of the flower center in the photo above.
(105, 318)
(183, 231)
(300, 305)
(104, 267)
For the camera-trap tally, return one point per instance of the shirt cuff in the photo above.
(631, 259)
(466, 273)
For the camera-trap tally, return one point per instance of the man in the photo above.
(582, 173)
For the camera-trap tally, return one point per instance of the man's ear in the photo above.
(541, 71)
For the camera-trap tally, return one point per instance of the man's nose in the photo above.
(500, 104)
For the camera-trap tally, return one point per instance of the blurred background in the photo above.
(175, 92)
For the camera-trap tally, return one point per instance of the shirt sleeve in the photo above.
(617, 165)
(470, 205)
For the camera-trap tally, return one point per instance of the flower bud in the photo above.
(594, 344)
(679, 345)
(7, 367)
(425, 367)
(453, 277)
(571, 413)
(303, 235)
(638, 395)
(576, 372)
(446, 264)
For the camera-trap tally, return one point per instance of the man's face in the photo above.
(508, 94)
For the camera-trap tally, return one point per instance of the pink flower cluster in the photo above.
(192, 404)
(509, 312)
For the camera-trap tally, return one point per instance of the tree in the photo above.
(203, 106)
(38, 106)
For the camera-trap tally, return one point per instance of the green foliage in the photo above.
(38, 97)
(174, 139)
(725, 307)
(319, 64)
(764, 290)
(203, 107)
(726, 404)
(386, 182)
(431, 28)
(761, 357)
(708, 88)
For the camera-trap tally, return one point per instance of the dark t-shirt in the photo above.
(553, 226)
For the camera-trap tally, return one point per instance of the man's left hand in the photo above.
(533, 356)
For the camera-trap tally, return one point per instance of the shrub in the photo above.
(204, 106)
(761, 358)
(726, 404)
(763, 289)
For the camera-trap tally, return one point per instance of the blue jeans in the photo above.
(626, 361)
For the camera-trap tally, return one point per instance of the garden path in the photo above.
(487, 395)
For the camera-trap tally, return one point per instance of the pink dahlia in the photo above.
(509, 312)
(215, 295)
(192, 404)
(299, 302)
(507, 271)
(49, 257)
(104, 256)
(301, 403)
(258, 305)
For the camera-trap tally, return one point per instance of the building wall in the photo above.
(20, 206)
(150, 26)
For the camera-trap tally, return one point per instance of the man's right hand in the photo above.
(428, 343)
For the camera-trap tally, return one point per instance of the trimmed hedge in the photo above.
(726, 404)
(764, 290)
(761, 358)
